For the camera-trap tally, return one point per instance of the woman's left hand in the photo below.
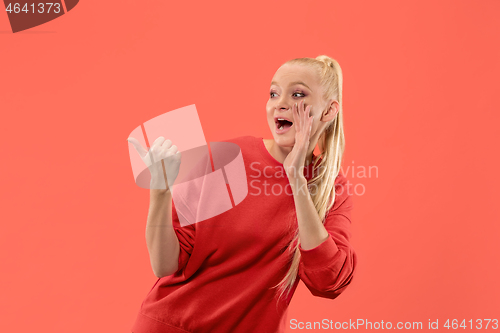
(295, 160)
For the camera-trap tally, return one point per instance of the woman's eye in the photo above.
(294, 94)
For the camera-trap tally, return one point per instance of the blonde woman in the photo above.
(237, 272)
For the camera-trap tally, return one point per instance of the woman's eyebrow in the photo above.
(294, 83)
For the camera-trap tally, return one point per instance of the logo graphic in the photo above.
(207, 184)
(28, 14)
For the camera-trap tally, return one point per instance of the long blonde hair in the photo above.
(331, 145)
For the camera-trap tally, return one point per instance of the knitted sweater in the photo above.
(229, 263)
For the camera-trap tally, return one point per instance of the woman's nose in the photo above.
(283, 104)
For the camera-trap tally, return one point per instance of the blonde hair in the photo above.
(331, 145)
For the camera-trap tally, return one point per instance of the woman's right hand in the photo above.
(162, 152)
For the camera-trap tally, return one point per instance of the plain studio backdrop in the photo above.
(421, 114)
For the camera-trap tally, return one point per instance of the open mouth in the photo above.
(283, 123)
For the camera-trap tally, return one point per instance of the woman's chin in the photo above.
(284, 140)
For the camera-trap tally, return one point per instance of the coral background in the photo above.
(420, 108)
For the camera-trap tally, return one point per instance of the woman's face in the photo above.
(290, 85)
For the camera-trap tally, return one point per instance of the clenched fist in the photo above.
(163, 161)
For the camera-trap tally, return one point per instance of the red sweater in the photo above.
(228, 263)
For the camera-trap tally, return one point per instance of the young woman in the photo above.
(236, 272)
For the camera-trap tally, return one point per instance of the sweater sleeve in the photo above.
(195, 168)
(328, 269)
(186, 236)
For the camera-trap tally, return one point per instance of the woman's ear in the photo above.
(331, 111)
